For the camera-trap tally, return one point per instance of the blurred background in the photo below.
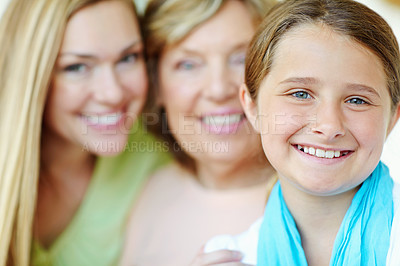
(388, 9)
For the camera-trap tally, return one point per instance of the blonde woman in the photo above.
(73, 81)
(196, 53)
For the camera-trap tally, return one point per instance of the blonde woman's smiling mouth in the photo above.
(105, 121)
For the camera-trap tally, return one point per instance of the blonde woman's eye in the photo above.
(75, 68)
(301, 95)
(130, 58)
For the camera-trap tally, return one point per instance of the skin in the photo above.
(220, 257)
(328, 92)
(200, 79)
(98, 89)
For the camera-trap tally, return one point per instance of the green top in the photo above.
(95, 235)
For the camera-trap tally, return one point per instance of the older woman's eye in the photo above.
(130, 58)
(301, 95)
(186, 65)
(238, 58)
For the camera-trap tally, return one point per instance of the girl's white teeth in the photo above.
(219, 120)
(109, 119)
(329, 154)
(320, 153)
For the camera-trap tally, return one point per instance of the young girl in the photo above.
(322, 89)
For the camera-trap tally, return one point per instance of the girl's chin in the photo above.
(323, 190)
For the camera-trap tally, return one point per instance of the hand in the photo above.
(221, 257)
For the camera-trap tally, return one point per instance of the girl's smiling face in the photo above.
(323, 111)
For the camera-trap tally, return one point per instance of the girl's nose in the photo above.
(329, 122)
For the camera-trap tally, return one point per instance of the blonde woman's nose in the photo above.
(107, 87)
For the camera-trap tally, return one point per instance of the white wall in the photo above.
(141, 5)
(390, 12)
(3, 5)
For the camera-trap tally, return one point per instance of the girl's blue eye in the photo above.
(356, 101)
(301, 95)
(75, 68)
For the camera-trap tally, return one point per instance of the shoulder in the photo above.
(162, 190)
(162, 186)
(245, 242)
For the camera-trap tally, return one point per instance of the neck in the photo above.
(232, 175)
(317, 217)
(65, 173)
(60, 158)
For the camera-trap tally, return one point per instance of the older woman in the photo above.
(196, 55)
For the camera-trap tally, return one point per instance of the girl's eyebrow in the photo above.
(363, 88)
(90, 56)
(303, 80)
(352, 86)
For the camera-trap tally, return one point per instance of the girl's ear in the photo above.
(249, 106)
(394, 119)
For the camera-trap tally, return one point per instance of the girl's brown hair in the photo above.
(346, 17)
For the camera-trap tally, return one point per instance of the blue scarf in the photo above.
(363, 237)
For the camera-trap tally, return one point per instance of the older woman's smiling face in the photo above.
(199, 82)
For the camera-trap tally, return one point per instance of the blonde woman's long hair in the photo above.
(31, 35)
